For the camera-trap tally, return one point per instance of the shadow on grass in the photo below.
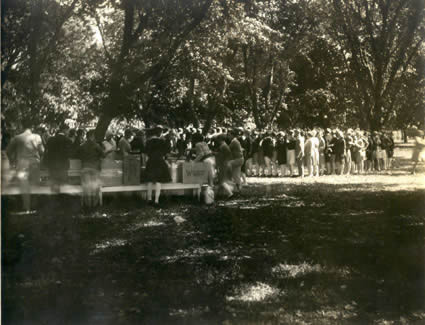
(297, 253)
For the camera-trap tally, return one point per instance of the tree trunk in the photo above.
(102, 126)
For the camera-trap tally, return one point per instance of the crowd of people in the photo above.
(230, 154)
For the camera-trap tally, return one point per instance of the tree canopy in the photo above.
(276, 62)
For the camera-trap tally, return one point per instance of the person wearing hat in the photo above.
(109, 145)
(237, 158)
(349, 142)
(311, 152)
(340, 151)
(299, 151)
(205, 155)
(418, 151)
(359, 151)
(157, 170)
(138, 145)
(281, 150)
(124, 146)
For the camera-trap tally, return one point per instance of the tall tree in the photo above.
(151, 34)
(32, 31)
(379, 39)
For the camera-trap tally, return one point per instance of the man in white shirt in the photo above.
(25, 151)
(311, 152)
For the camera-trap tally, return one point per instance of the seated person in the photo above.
(204, 154)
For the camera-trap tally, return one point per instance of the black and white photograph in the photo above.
(202, 162)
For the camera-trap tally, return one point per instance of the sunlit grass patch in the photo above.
(195, 253)
(296, 270)
(109, 244)
(354, 213)
(194, 311)
(94, 215)
(254, 293)
(234, 258)
(150, 223)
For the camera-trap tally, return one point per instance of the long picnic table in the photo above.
(77, 189)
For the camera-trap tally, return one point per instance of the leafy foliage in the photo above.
(290, 63)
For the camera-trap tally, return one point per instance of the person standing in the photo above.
(290, 155)
(418, 151)
(299, 152)
(311, 151)
(349, 142)
(268, 147)
(245, 141)
(237, 158)
(59, 151)
(255, 149)
(329, 144)
(157, 170)
(376, 151)
(322, 147)
(91, 154)
(390, 150)
(359, 151)
(6, 173)
(138, 145)
(124, 146)
(25, 151)
(339, 150)
(109, 145)
(281, 153)
(223, 158)
(369, 152)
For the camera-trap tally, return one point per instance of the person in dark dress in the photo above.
(223, 158)
(290, 154)
(281, 148)
(340, 151)
(59, 151)
(90, 154)
(329, 143)
(157, 171)
(390, 149)
(268, 147)
(181, 145)
(255, 152)
(245, 141)
(138, 145)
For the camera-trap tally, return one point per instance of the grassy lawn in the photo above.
(328, 250)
